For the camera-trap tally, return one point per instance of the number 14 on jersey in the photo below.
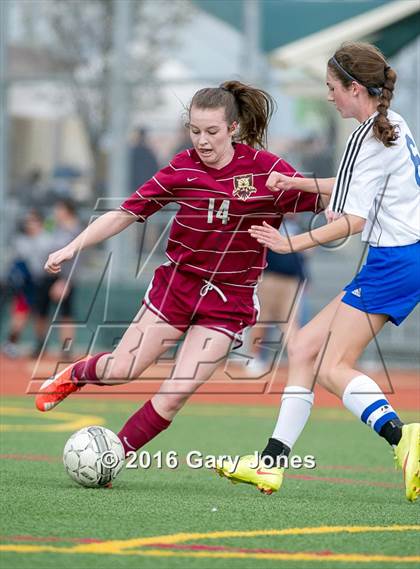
(222, 213)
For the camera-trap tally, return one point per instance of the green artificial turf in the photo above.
(39, 502)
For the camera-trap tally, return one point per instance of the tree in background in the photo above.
(82, 33)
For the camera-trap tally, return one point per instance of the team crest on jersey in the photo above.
(243, 187)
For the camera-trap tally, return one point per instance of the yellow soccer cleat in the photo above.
(407, 456)
(248, 471)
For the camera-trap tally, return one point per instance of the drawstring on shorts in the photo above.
(209, 286)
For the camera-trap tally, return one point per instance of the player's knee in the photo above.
(324, 374)
(327, 375)
(300, 349)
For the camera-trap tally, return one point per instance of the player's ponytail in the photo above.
(365, 63)
(250, 107)
(382, 128)
(255, 108)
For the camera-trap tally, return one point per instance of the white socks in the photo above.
(364, 398)
(294, 413)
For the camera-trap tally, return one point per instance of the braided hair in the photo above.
(365, 63)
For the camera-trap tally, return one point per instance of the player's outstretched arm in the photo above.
(101, 229)
(277, 182)
(341, 228)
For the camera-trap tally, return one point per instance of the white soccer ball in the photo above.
(93, 456)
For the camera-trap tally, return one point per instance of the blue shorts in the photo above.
(389, 282)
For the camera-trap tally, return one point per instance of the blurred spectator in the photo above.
(143, 163)
(277, 293)
(59, 289)
(143, 166)
(30, 250)
(33, 290)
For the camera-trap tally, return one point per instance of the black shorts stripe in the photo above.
(345, 172)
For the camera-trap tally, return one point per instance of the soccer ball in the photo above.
(93, 456)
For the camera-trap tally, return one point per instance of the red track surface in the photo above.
(226, 387)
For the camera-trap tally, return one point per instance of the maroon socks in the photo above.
(85, 372)
(142, 427)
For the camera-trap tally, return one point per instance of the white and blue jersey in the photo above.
(382, 185)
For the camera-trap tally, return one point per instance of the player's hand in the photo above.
(277, 182)
(270, 237)
(332, 215)
(53, 264)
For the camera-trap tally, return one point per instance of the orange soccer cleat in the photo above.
(57, 388)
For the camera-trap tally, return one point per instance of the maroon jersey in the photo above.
(209, 234)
